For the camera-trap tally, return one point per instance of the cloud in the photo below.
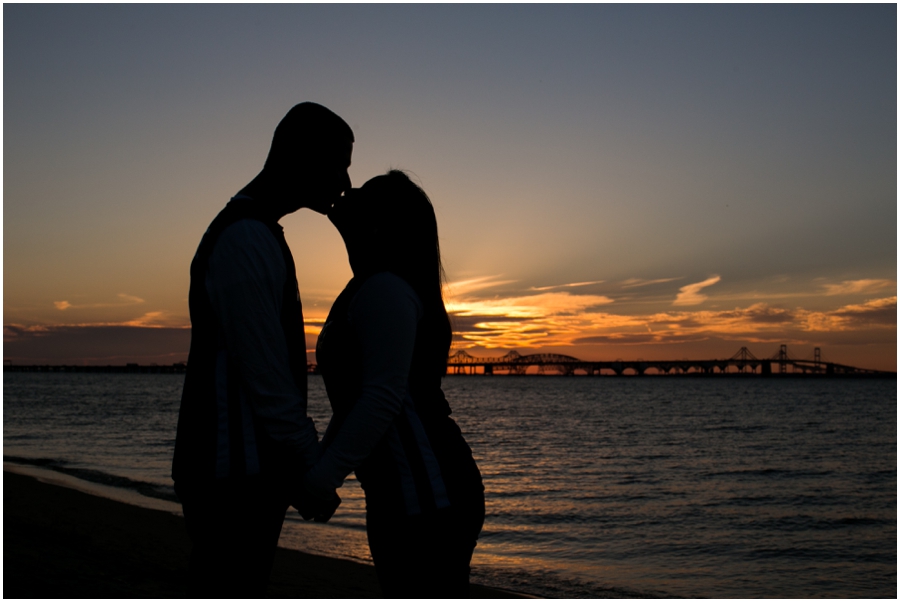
(563, 318)
(548, 319)
(690, 294)
(758, 313)
(129, 299)
(463, 323)
(94, 344)
(464, 287)
(571, 285)
(484, 324)
(636, 282)
(126, 300)
(529, 320)
(151, 319)
(850, 287)
(878, 313)
(683, 326)
(638, 339)
(531, 306)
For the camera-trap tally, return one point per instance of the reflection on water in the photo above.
(595, 486)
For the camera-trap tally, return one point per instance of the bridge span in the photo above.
(742, 362)
(461, 362)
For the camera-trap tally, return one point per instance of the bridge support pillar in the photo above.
(488, 369)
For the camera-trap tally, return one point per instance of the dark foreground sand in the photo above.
(61, 543)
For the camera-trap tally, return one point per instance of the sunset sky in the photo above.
(635, 181)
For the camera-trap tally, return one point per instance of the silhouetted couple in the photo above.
(246, 450)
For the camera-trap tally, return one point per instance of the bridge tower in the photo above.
(782, 359)
(743, 359)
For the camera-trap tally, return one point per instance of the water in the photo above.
(596, 487)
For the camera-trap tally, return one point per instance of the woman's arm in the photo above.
(384, 315)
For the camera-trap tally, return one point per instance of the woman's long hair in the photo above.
(406, 238)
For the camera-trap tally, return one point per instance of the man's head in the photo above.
(309, 157)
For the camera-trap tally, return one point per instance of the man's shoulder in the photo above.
(247, 240)
(243, 217)
(248, 232)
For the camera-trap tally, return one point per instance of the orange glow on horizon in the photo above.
(590, 324)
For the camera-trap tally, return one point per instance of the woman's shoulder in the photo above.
(386, 289)
(386, 283)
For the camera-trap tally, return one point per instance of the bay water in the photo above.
(596, 486)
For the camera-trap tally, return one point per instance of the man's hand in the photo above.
(315, 507)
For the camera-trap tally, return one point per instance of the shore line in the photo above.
(61, 541)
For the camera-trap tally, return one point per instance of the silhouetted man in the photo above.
(244, 440)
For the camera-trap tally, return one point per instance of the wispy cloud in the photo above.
(125, 300)
(690, 294)
(878, 313)
(849, 287)
(571, 285)
(464, 287)
(637, 282)
(151, 319)
(531, 306)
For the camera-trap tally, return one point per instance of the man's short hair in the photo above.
(308, 128)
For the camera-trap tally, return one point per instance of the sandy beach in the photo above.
(62, 543)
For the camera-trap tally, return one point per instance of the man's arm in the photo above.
(245, 283)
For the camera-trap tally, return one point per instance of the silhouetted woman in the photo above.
(382, 353)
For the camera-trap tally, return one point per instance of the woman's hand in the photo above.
(318, 506)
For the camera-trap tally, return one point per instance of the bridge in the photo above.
(742, 362)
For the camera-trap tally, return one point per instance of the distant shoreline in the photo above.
(181, 368)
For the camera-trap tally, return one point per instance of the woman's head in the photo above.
(389, 225)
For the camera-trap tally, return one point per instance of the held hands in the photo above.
(311, 494)
(318, 506)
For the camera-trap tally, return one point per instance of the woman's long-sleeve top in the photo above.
(407, 452)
